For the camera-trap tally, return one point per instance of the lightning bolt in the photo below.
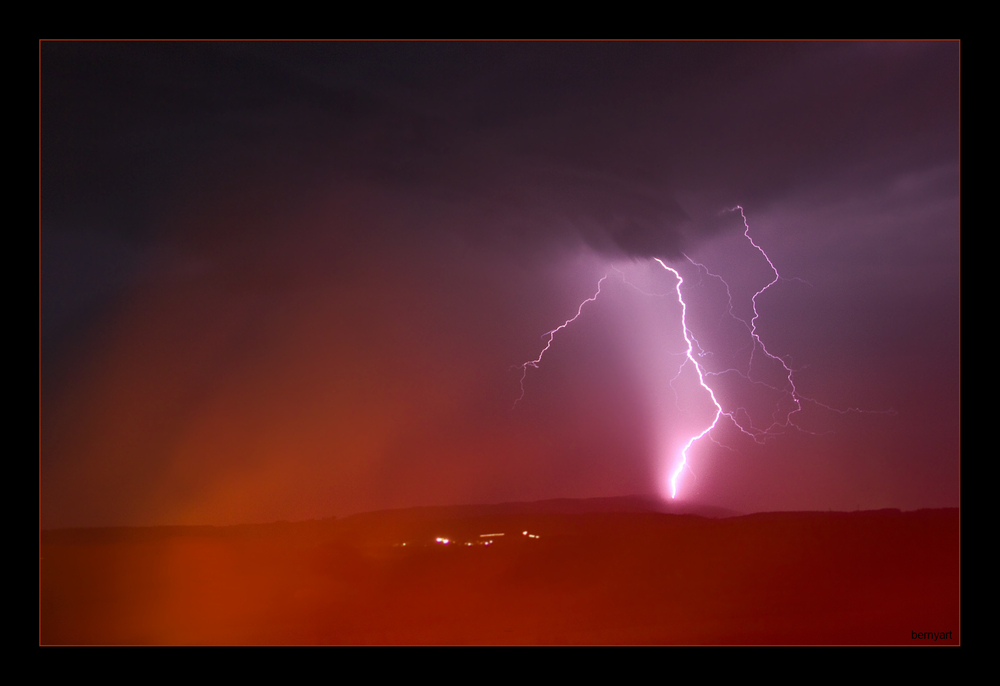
(551, 336)
(789, 374)
(701, 379)
(739, 417)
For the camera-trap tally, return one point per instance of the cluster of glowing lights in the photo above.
(693, 351)
(441, 540)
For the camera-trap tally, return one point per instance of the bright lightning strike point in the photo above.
(701, 380)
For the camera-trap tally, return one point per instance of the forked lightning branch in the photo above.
(781, 419)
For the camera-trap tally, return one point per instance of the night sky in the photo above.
(296, 280)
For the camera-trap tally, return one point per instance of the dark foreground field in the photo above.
(593, 578)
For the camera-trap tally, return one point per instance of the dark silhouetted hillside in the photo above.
(591, 577)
